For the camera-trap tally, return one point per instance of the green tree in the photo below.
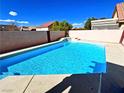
(55, 26)
(88, 23)
(61, 26)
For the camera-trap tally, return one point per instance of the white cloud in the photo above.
(7, 20)
(19, 22)
(22, 22)
(77, 24)
(13, 13)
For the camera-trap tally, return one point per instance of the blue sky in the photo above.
(36, 12)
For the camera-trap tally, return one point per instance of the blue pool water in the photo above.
(66, 57)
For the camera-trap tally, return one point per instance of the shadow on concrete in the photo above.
(112, 82)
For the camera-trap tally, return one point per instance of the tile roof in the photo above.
(120, 11)
(46, 24)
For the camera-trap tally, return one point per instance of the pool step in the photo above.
(5, 74)
(2, 76)
(8, 73)
(91, 66)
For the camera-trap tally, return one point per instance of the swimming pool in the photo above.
(65, 57)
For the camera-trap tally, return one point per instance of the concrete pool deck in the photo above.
(112, 82)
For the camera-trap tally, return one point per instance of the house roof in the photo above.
(46, 24)
(120, 11)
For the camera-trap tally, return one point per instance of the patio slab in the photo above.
(43, 83)
(14, 84)
(115, 53)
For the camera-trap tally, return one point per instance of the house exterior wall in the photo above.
(115, 15)
(25, 29)
(122, 26)
(42, 29)
(112, 36)
(105, 27)
(9, 28)
(104, 24)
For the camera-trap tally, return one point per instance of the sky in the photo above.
(37, 12)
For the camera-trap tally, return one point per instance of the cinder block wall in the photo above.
(14, 40)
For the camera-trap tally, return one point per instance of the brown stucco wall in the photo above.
(55, 35)
(13, 40)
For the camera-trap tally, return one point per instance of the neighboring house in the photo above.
(26, 28)
(105, 24)
(44, 27)
(116, 22)
(119, 13)
(9, 28)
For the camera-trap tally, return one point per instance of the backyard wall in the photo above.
(113, 36)
(14, 40)
(55, 35)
